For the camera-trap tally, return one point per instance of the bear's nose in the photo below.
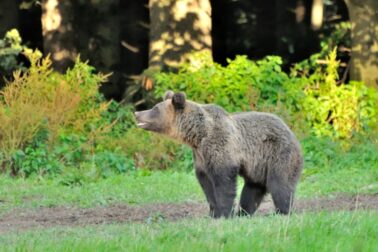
(136, 113)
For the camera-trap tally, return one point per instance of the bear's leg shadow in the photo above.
(225, 192)
(208, 189)
(251, 198)
(282, 193)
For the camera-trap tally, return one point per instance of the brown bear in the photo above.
(257, 146)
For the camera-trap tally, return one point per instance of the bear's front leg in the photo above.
(225, 191)
(208, 189)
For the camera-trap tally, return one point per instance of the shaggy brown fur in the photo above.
(257, 146)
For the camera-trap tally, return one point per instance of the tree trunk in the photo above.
(98, 26)
(134, 36)
(58, 32)
(177, 28)
(364, 57)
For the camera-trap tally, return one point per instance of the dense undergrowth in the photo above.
(314, 102)
(54, 124)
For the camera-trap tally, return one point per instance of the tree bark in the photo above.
(134, 36)
(364, 57)
(177, 28)
(98, 25)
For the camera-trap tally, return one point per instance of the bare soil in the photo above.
(27, 219)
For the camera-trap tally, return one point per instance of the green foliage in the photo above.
(108, 161)
(241, 85)
(333, 109)
(72, 156)
(58, 124)
(92, 167)
(50, 122)
(10, 48)
(326, 106)
(149, 150)
(321, 152)
(120, 117)
(183, 159)
(35, 160)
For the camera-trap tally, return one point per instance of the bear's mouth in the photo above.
(144, 121)
(150, 126)
(142, 124)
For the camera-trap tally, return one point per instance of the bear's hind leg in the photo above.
(282, 194)
(251, 198)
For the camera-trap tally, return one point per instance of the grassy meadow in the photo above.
(348, 172)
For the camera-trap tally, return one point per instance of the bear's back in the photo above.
(252, 126)
(260, 123)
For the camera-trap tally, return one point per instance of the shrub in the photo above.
(337, 110)
(41, 100)
(241, 85)
(320, 153)
(317, 99)
(149, 150)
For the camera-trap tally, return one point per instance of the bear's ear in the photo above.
(178, 100)
(168, 95)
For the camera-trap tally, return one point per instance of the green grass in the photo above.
(338, 231)
(163, 187)
(160, 187)
(128, 188)
(349, 181)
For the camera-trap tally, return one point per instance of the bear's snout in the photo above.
(140, 119)
(138, 116)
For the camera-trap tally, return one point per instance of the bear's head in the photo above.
(162, 118)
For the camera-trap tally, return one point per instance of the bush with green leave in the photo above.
(50, 120)
(328, 107)
(240, 86)
(332, 108)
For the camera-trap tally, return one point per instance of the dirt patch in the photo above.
(21, 219)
